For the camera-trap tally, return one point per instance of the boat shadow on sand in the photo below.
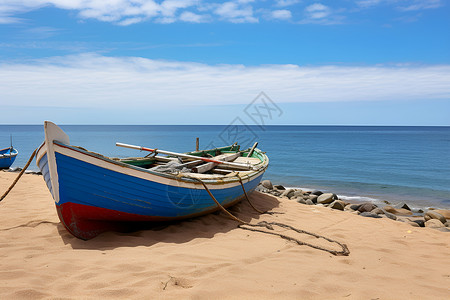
(148, 234)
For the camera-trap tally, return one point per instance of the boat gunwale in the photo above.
(12, 154)
(181, 177)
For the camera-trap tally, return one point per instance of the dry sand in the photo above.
(209, 258)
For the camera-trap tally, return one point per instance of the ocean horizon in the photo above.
(360, 163)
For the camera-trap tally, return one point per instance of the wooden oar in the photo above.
(225, 163)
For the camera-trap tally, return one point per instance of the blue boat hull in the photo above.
(95, 194)
(7, 157)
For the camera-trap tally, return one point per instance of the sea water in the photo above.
(367, 163)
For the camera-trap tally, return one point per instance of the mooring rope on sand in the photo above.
(269, 225)
(20, 175)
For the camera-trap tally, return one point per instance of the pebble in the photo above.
(366, 207)
(444, 212)
(348, 207)
(419, 222)
(402, 205)
(316, 192)
(397, 211)
(313, 198)
(301, 201)
(261, 189)
(378, 211)
(389, 215)
(267, 184)
(288, 193)
(309, 202)
(298, 193)
(369, 215)
(337, 204)
(279, 187)
(434, 223)
(414, 224)
(326, 198)
(432, 214)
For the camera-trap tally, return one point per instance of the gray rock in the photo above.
(378, 211)
(389, 215)
(369, 215)
(267, 184)
(402, 205)
(417, 211)
(261, 189)
(279, 187)
(434, 223)
(419, 222)
(316, 192)
(397, 211)
(301, 201)
(309, 202)
(355, 206)
(429, 215)
(288, 193)
(298, 193)
(414, 224)
(348, 207)
(403, 219)
(313, 198)
(326, 198)
(275, 193)
(366, 207)
(337, 204)
(444, 212)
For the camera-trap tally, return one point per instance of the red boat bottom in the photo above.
(86, 222)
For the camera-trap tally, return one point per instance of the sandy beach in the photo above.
(210, 258)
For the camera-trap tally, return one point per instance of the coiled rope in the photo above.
(20, 175)
(269, 225)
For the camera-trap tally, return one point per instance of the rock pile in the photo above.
(439, 219)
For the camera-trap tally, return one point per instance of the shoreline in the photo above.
(209, 257)
(401, 211)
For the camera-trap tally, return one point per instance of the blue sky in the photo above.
(366, 62)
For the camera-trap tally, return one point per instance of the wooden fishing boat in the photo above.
(7, 157)
(94, 193)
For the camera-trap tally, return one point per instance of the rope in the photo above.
(269, 225)
(20, 175)
(251, 204)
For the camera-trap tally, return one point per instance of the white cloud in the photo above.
(421, 4)
(284, 3)
(127, 12)
(236, 13)
(95, 81)
(188, 16)
(317, 11)
(281, 14)
(403, 5)
(368, 3)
